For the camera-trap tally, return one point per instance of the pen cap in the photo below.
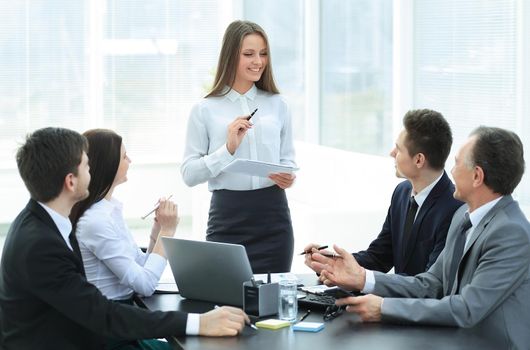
(260, 300)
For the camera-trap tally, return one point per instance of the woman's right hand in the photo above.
(167, 217)
(236, 131)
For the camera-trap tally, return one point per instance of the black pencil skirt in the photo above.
(260, 220)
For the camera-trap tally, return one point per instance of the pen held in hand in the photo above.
(308, 251)
(250, 324)
(156, 207)
(252, 114)
(332, 255)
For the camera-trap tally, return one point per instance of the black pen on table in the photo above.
(251, 114)
(319, 248)
(305, 316)
(249, 324)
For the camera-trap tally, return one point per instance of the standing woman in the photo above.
(112, 260)
(248, 210)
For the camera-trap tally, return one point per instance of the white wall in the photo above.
(339, 198)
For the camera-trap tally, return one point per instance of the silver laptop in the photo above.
(208, 271)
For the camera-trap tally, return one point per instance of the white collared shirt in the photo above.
(420, 198)
(63, 224)
(423, 194)
(269, 140)
(113, 262)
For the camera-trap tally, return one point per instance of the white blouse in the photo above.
(113, 262)
(269, 140)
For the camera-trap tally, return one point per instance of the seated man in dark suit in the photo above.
(481, 280)
(45, 299)
(415, 229)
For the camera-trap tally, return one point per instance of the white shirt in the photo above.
(269, 140)
(63, 224)
(423, 194)
(113, 262)
(420, 198)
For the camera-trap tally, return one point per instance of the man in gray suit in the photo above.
(481, 279)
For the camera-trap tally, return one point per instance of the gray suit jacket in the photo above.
(493, 293)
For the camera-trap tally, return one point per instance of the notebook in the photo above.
(208, 271)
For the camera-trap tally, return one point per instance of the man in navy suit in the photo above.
(415, 229)
(481, 280)
(45, 300)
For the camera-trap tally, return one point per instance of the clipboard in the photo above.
(256, 168)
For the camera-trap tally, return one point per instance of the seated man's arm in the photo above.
(53, 277)
(502, 268)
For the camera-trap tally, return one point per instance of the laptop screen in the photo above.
(208, 271)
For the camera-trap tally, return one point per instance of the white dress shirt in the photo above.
(269, 140)
(113, 262)
(63, 224)
(420, 198)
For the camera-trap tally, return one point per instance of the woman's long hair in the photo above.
(229, 59)
(104, 153)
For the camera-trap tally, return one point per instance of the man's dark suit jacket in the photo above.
(47, 303)
(426, 239)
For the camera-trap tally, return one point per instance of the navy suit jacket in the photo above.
(47, 303)
(414, 254)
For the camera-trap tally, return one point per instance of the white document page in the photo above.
(256, 168)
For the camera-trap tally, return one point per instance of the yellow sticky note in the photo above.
(272, 324)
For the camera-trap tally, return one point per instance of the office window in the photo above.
(159, 59)
(356, 75)
(283, 21)
(465, 62)
(43, 79)
(132, 66)
(467, 65)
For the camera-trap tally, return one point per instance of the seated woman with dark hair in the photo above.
(113, 262)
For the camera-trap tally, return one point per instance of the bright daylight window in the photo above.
(356, 75)
(466, 66)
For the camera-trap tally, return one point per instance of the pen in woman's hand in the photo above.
(156, 207)
(251, 114)
(309, 251)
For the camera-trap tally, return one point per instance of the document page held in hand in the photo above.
(256, 168)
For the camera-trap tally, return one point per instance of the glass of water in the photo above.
(288, 303)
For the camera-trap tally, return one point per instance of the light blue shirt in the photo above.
(477, 215)
(269, 140)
